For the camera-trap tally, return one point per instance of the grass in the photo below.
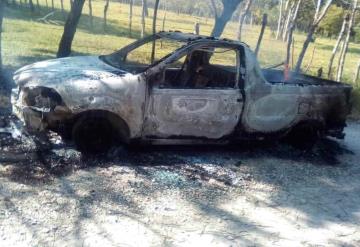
(26, 40)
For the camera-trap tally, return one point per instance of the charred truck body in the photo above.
(192, 90)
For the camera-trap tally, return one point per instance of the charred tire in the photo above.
(93, 134)
(303, 136)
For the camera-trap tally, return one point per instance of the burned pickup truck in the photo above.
(176, 88)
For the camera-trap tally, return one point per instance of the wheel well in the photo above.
(309, 126)
(117, 122)
(316, 124)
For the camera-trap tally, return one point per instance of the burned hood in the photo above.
(82, 69)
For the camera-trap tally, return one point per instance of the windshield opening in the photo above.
(136, 58)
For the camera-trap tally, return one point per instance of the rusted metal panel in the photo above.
(193, 113)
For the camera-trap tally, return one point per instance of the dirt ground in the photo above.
(249, 195)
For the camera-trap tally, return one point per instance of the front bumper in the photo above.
(34, 120)
(38, 119)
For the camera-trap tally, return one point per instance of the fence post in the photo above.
(197, 28)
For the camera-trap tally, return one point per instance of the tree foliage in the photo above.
(331, 24)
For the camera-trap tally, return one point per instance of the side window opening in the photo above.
(205, 67)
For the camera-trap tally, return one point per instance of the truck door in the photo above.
(198, 98)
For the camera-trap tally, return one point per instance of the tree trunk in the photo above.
(163, 22)
(62, 9)
(197, 28)
(288, 53)
(263, 26)
(213, 8)
(106, 7)
(318, 16)
(143, 19)
(307, 41)
(52, 5)
(91, 15)
(2, 6)
(146, 8)
(356, 77)
(279, 19)
(311, 60)
(339, 60)
(32, 8)
(293, 16)
(346, 41)
(38, 5)
(229, 7)
(163, 28)
(154, 30)
(242, 18)
(130, 16)
(288, 48)
(287, 20)
(337, 44)
(285, 9)
(70, 28)
(47, 4)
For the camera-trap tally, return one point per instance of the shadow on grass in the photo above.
(354, 50)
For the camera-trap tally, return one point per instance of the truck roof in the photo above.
(190, 37)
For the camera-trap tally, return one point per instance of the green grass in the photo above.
(25, 40)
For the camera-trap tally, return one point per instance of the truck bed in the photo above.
(277, 76)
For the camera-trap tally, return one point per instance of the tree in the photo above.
(62, 8)
(288, 52)
(320, 11)
(146, 8)
(357, 72)
(291, 20)
(131, 2)
(31, 4)
(91, 14)
(332, 22)
(154, 29)
(143, 18)
(263, 26)
(280, 18)
(2, 6)
(242, 16)
(70, 28)
(288, 14)
(229, 7)
(347, 40)
(106, 7)
(52, 5)
(337, 44)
